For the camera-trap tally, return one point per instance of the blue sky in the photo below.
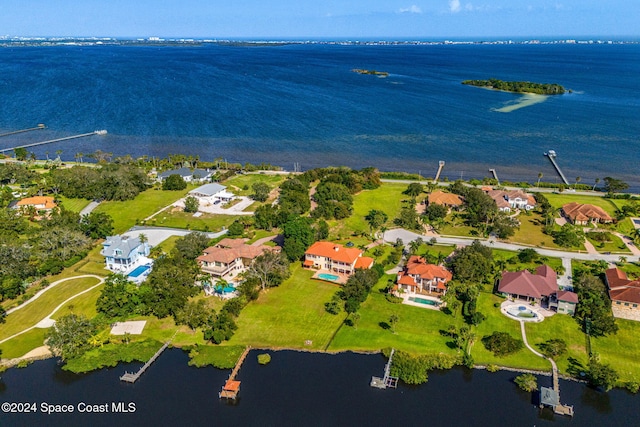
(389, 19)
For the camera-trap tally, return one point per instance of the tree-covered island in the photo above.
(518, 87)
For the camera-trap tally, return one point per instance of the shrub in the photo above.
(502, 344)
(492, 368)
(527, 382)
(264, 358)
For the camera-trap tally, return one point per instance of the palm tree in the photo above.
(393, 320)
(79, 155)
(354, 318)
(578, 179)
(596, 183)
(540, 175)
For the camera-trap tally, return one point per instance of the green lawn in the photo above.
(417, 331)
(26, 342)
(516, 265)
(237, 183)
(386, 198)
(74, 205)
(84, 304)
(93, 263)
(530, 232)
(126, 214)
(496, 321)
(621, 350)
(40, 308)
(557, 200)
(615, 245)
(205, 222)
(289, 315)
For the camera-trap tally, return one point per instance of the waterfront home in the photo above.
(418, 276)
(188, 175)
(449, 200)
(42, 204)
(624, 294)
(336, 258)
(123, 254)
(514, 199)
(230, 257)
(530, 287)
(582, 214)
(212, 194)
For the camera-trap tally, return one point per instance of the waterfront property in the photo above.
(41, 204)
(420, 277)
(514, 199)
(624, 294)
(230, 257)
(212, 194)
(529, 287)
(583, 214)
(335, 258)
(449, 200)
(123, 254)
(188, 175)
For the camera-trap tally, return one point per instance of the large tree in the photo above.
(192, 245)
(97, 225)
(174, 182)
(269, 269)
(260, 191)
(70, 335)
(614, 185)
(376, 219)
(298, 236)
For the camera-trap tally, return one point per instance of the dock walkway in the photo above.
(231, 387)
(51, 141)
(133, 377)
(387, 380)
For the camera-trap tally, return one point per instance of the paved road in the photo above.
(89, 208)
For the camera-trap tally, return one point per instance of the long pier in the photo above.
(440, 166)
(96, 132)
(15, 132)
(231, 387)
(387, 380)
(552, 157)
(133, 377)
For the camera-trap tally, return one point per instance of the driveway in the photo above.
(219, 209)
(157, 235)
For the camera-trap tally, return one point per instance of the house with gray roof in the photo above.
(211, 194)
(196, 175)
(123, 254)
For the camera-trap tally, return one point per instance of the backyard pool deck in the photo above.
(410, 299)
(540, 312)
(331, 276)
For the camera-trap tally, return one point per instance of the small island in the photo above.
(372, 72)
(518, 87)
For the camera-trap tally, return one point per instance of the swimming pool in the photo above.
(139, 271)
(522, 312)
(329, 277)
(423, 301)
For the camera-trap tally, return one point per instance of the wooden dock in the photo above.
(133, 377)
(552, 157)
(387, 380)
(15, 132)
(231, 387)
(551, 397)
(51, 141)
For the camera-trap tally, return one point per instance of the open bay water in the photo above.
(302, 103)
(296, 389)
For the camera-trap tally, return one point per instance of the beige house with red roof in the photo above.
(418, 276)
(624, 294)
(583, 214)
(449, 200)
(527, 286)
(41, 203)
(336, 258)
(230, 257)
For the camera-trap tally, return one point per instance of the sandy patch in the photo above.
(132, 327)
(526, 100)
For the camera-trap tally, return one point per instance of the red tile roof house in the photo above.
(529, 287)
(230, 257)
(335, 258)
(418, 276)
(624, 294)
(583, 214)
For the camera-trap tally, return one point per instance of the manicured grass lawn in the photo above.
(205, 222)
(93, 263)
(222, 357)
(502, 254)
(386, 198)
(74, 205)
(454, 226)
(23, 344)
(125, 214)
(237, 182)
(496, 321)
(530, 232)
(289, 315)
(557, 200)
(621, 350)
(564, 327)
(84, 304)
(615, 245)
(417, 331)
(38, 309)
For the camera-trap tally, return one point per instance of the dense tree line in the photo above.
(518, 87)
(594, 307)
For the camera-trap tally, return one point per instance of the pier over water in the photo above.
(51, 141)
